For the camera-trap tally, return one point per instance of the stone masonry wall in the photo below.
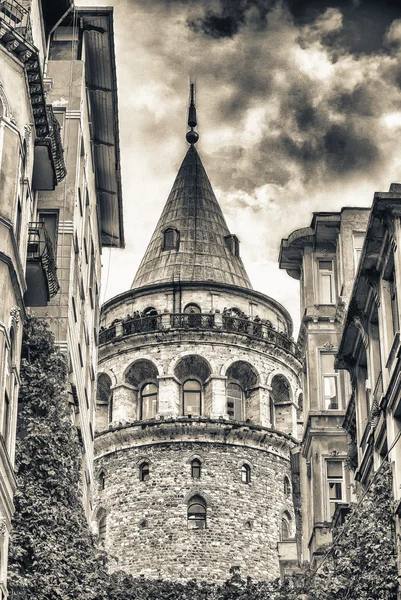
(147, 532)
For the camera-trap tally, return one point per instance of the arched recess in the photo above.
(192, 365)
(104, 402)
(142, 376)
(192, 371)
(242, 385)
(281, 404)
(4, 104)
(286, 526)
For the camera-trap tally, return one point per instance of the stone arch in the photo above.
(5, 111)
(192, 366)
(243, 372)
(241, 375)
(141, 371)
(186, 354)
(281, 405)
(195, 457)
(104, 401)
(149, 310)
(198, 492)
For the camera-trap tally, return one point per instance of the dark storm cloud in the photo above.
(365, 21)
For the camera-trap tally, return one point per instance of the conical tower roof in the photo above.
(203, 240)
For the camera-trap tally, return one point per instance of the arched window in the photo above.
(287, 487)
(192, 397)
(196, 468)
(235, 397)
(193, 315)
(171, 239)
(246, 473)
(286, 526)
(102, 525)
(144, 472)
(102, 480)
(148, 401)
(196, 513)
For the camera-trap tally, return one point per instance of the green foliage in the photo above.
(361, 564)
(52, 555)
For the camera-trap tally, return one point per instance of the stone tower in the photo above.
(197, 404)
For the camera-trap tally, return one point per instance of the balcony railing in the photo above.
(14, 15)
(40, 249)
(256, 329)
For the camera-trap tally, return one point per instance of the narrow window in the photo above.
(144, 472)
(235, 402)
(329, 382)
(148, 401)
(287, 487)
(102, 480)
(6, 415)
(192, 397)
(358, 239)
(394, 304)
(196, 467)
(102, 529)
(171, 239)
(326, 282)
(285, 526)
(50, 220)
(196, 513)
(335, 484)
(246, 474)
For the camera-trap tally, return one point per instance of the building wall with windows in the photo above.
(370, 349)
(38, 215)
(324, 257)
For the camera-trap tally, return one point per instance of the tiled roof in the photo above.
(202, 255)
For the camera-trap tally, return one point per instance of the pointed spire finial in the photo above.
(192, 136)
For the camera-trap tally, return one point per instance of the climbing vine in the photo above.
(51, 555)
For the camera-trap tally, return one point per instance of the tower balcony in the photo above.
(41, 271)
(257, 329)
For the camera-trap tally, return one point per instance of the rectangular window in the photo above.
(358, 239)
(326, 282)
(74, 309)
(81, 210)
(50, 220)
(329, 382)
(80, 355)
(6, 415)
(335, 484)
(394, 304)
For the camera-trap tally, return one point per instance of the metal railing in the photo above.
(192, 321)
(40, 248)
(141, 324)
(256, 329)
(17, 17)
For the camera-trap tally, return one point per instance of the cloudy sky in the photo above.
(299, 110)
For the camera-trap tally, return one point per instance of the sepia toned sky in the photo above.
(299, 110)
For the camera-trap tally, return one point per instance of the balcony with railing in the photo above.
(16, 37)
(41, 271)
(214, 322)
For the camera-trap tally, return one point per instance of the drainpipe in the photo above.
(69, 9)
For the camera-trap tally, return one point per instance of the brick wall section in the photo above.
(243, 520)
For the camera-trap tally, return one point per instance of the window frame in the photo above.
(144, 471)
(330, 274)
(233, 400)
(325, 376)
(334, 480)
(246, 473)
(148, 395)
(197, 517)
(357, 247)
(187, 414)
(175, 239)
(196, 468)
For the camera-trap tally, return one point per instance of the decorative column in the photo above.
(125, 404)
(215, 404)
(169, 398)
